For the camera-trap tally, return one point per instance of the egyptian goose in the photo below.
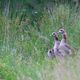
(64, 46)
(56, 44)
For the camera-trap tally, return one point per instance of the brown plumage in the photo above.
(56, 44)
(64, 46)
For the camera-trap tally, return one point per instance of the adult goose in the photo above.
(56, 44)
(64, 46)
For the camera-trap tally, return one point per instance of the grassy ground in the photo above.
(23, 47)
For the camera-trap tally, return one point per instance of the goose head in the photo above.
(51, 53)
(55, 35)
(62, 31)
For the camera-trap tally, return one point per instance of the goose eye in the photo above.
(50, 51)
(61, 30)
(54, 35)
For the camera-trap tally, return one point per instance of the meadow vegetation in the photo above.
(24, 42)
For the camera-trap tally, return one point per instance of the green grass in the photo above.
(23, 47)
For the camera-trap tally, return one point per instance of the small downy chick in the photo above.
(51, 53)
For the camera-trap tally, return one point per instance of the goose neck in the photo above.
(55, 38)
(64, 37)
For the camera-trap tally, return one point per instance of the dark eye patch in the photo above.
(61, 30)
(50, 51)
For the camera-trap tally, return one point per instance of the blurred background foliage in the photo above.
(32, 9)
(25, 28)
